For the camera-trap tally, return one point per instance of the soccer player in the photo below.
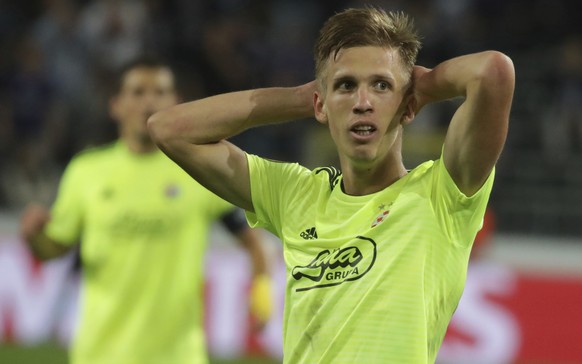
(376, 254)
(143, 225)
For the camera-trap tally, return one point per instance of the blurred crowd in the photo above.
(59, 61)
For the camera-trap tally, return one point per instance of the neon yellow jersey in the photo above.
(370, 279)
(143, 226)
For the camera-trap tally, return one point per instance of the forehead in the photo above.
(147, 77)
(366, 61)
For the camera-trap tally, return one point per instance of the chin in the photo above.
(364, 153)
(362, 159)
(145, 139)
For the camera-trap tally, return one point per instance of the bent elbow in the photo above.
(494, 78)
(160, 128)
(500, 70)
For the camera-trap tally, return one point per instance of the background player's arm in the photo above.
(478, 129)
(261, 304)
(192, 134)
(250, 239)
(261, 300)
(32, 224)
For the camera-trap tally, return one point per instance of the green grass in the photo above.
(53, 354)
(43, 354)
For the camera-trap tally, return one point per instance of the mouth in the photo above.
(363, 131)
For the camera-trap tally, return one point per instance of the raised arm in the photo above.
(478, 129)
(192, 134)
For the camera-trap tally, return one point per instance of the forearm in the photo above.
(249, 238)
(218, 117)
(261, 296)
(32, 231)
(465, 75)
(44, 248)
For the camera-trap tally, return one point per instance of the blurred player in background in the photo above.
(143, 225)
(376, 254)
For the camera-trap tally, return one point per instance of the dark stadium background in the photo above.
(57, 67)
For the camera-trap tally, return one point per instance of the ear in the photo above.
(319, 107)
(409, 110)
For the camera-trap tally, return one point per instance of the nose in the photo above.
(363, 103)
(150, 97)
(150, 100)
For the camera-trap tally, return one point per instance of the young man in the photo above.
(376, 254)
(143, 224)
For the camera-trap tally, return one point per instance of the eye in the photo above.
(382, 85)
(344, 85)
(138, 92)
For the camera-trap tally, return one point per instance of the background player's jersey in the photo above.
(370, 279)
(143, 226)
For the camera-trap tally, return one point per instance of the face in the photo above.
(364, 103)
(144, 90)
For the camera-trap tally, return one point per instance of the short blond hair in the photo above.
(369, 26)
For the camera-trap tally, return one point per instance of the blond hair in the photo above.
(368, 26)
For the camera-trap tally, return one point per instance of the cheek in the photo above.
(336, 132)
(127, 109)
(168, 101)
(338, 109)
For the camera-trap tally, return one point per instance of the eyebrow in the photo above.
(384, 76)
(344, 76)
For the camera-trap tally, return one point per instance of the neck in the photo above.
(364, 180)
(138, 146)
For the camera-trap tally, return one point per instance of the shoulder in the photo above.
(91, 158)
(257, 162)
(430, 174)
(434, 177)
(264, 167)
(425, 178)
(295, 174)
(95, 153)
(423, 171)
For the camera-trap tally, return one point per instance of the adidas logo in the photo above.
(309, 234)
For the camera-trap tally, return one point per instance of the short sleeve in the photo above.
(461, 216)
(67, 212)
(273, 185)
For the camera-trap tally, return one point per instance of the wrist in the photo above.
(261, 301)
(304, 95)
